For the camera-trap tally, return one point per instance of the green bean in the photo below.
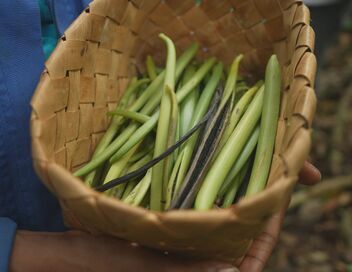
(169, 160)
(233, 188)
(133, 167)
(116, 170)
(207, 76)
(242, 159)
(149, 125)
(106, 153)
(163, 126)
(187, 106)
(158, 69)
(119, 190)
(175, 153)
(236, 114)
(151, 71)
(147, 150)
(134, 116)
(140, 190)
(132, 100)
(138, 164)
(150, 92)
(145, 184)
(242, 85)
(170, 71)
(152, 104)
(198, 76)
(241, 89)
(96, 177)
(131, 196)
(158, 169)
(207, 94)
(170, 190)
(228, 155)
(186, 115)
(230, 85)
(269, 120)
(129, 187)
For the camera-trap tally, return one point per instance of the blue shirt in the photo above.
(24, 201)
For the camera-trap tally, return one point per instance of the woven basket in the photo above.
(90, 69)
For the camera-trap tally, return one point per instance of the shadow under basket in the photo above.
(91, 67)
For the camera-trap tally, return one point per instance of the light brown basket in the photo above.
(89, 70)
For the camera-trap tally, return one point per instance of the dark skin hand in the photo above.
(78, 251)
(261, 249)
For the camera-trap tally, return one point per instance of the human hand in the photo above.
(262, 247)
(78, 251)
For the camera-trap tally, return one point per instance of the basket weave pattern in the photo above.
(90, 69)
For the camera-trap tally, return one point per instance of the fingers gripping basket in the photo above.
(89, 70)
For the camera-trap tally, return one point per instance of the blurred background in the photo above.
(317, 233)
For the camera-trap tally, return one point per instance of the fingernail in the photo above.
(229, 269)
(316, 170)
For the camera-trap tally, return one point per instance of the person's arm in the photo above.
(78, 251)
(262, 247)
(7, 234)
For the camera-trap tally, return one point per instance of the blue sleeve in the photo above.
(25, 200)
(7, 235)
(66, 11)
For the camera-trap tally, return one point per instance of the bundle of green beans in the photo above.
(192, 135)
